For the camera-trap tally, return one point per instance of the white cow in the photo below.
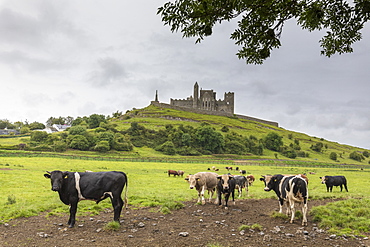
(203, 181)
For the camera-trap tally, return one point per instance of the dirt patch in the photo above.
(194, 225)
(5, 169)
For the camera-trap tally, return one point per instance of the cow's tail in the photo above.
(126, 189)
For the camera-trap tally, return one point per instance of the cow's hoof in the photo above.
(226, 208)
(203, 202)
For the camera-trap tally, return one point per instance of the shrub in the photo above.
(102, 146)
(273, 141)
(60, 146)
(317, 147)
(78, 142)
(39, 136)
(234, 147)
(77, 130)
(356, 156)
(333, 156)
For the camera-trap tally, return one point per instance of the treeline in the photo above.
(97, 133)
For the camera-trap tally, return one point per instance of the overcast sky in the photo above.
(77, 58)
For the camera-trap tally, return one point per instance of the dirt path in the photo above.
(194, 225)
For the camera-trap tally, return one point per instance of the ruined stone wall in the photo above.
(216, 113)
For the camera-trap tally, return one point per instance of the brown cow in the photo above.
(180, 173)
(173, 172)
(203, 181)
(250, 179)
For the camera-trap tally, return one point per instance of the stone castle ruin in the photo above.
(205, 102)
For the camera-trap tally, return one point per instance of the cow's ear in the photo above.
(218, 177)
(187, 179)
(262, 179)
(65, 174)
(197, 179)
(46, 175)
(320, 177)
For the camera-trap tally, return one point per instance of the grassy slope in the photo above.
(155, 118)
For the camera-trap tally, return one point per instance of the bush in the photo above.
(234, 147)
(78, 142)
(333, 156)
(317, 147)
(168, 148)
(273, 141)
(77, 130)
(39, 136)
(356, 156)
(60, 146)
(102, 146)
(288, 152)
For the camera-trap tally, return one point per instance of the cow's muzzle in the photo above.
(55, 188)
(191, 187)
(267, 189)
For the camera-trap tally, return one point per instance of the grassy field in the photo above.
(25, 191)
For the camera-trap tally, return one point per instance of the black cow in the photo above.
(331, 181)
(290, 189)
(241, 182)
(97, 186)
(225, 186)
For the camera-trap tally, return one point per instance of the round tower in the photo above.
(196, 95)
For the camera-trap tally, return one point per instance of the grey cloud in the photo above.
(109, 71)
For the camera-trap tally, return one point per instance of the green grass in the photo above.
(25, 192)
(350, 217)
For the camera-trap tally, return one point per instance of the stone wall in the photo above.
(217, 113)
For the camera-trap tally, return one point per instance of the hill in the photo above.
(158, 132)
(156, 118)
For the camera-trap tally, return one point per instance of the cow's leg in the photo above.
(219, 197)
(199, 196)
(304, 212)
(227, 195)
(202, 195)
(117, 204)
(233, 196)
(292, 210)
(288, 208)
(240, 191)
(345, 186)
(341, 188)
(72, 214)
(281, 203)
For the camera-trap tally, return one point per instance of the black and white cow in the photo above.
(331, 181)
(241, 182)
(291, 189)
(97, 186)
(225, 186)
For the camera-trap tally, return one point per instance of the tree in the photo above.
(210, 140)
(95, 120)
(333, 156)
(260, 23)
(39, 136)
(273, 141)
(36, 125)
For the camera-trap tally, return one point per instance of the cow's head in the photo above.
(266, 179)
(224, 180)
(323, 179)
(56, 178)
(192, 179)
(271, 182)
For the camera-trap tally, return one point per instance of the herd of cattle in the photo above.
(73, 187)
